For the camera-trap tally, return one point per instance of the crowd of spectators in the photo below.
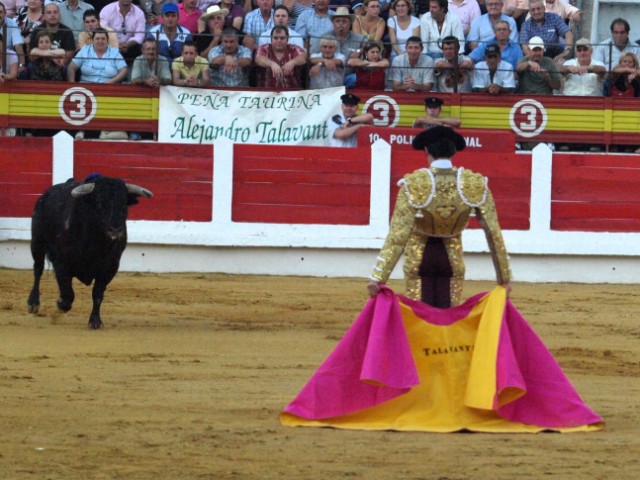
(490, 46)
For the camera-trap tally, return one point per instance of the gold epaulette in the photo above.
(472, 187)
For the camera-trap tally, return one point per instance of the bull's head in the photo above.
(109, 199)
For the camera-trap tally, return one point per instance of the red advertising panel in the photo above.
(478, 140)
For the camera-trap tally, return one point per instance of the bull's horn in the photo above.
(83, 189)
(138, 190)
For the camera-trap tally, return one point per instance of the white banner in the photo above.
(193, 115)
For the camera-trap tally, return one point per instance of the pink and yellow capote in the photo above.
(404, 365)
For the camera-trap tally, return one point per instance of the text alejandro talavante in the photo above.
(198, 128)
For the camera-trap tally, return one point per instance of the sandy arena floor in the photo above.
(188, 377)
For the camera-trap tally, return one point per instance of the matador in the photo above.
(432, 209)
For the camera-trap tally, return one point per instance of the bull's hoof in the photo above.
(64, 306)
(34, 308)
(95, 324)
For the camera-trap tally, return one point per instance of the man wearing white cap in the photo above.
(537, 74)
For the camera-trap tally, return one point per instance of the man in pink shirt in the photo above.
(12, 7)
(466, 10)
(128, 21)
(189, 15)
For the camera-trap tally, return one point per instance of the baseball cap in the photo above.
(536, 42)
(492, 49)
(170, 8)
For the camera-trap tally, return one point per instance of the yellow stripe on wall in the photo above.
(129, 108)
(558, 119)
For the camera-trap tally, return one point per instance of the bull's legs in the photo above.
(38, 253)
(65, 301)
(97, 294)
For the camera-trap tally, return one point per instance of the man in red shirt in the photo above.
(189, 15)
(281, 63)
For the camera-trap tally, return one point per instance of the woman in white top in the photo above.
(402, 26)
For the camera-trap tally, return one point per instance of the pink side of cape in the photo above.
(373, 363)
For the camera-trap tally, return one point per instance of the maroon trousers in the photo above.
(435, 272)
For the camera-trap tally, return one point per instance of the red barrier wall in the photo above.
(595, 193)
(25, 172)
(180, 178)
(275, 184)
(306, 185)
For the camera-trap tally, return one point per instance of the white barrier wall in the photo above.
(538, 255)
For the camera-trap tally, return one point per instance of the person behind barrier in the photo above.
(72, 15)
(229, 61)
(610, 51)
(538, 74)
(210, 27)
(257, 21)
(150, 69)
(313, 23)
(349, 43)
(91, 22)
(47, 63)
(189, 15)
(467, 11)
(438, 24)
(433, 109)
(453, 72)
(62, 36)
(12, 64)
(14, 39)
(170, 35)
(432, 209)
(583, 76)
(190, 70)
(343, 128)
(327, 67)
(98, 62)
(371, 67)
(29, 16)
(509, 51)
(493, 75)
(402, 26)
(370, 25)
(281, 17)
(483, 28)
(281, 64)
(551, 28)
(129, 23)
(412, 71)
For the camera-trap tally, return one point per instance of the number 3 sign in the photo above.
(528, 118)
(77, 106)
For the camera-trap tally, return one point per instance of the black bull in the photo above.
(81, 228)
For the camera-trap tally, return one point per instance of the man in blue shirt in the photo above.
(510, 52)
(482, 28)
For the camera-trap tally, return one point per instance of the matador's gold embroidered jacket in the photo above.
(438, 202)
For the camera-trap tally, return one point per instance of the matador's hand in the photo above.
(373, 287)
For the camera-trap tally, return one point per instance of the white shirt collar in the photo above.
(442, 163)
